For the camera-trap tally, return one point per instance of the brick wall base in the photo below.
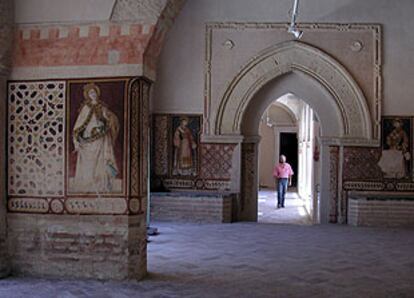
(4, 259)
(191, 207)
(99, 247)
(384, 211)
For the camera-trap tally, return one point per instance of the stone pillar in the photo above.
(249, 182)
(89, 237)
(329, 185)
(138, 190)
(6, 24)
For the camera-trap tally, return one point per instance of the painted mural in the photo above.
(395, 161)
(181, 161)
(185, 145)
(386, 168)
(68, 146)
(96, 137)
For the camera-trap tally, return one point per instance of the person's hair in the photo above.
(89, 87)
(397, 121)
(184, 118)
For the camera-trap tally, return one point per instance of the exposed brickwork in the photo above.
(191, 208)
(362, 173)
(4, 258)
(80, 45)
(388, 213)
(104, 247)
(88, 243)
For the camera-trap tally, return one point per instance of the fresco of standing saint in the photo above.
(185, 147)
(396, 154)
(94, 136)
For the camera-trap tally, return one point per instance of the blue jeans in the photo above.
(281, 191)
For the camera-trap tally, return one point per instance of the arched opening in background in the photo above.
(310, 74)
(289, 126)
(305, 98)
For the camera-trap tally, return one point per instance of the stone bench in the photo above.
(381, 209)
(192, 207)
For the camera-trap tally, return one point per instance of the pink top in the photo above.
(282, 171)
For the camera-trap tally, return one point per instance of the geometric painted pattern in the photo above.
(37, 145)
(333, 187)
(361, 164)
(216, 161)
(135, 139)
(213, 161)
(248, 179)
(36, 138)
(160, 146)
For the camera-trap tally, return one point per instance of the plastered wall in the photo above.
(274, 121)
(49, 220)
(181, 80)
(266, 156)
(180, 83)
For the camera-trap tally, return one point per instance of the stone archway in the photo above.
(343, 96)
(285, 58)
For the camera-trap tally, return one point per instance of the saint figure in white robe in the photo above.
(94, 135)
(394, 160)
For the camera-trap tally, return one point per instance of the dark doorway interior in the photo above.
(289, 148)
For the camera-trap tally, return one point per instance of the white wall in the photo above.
(266, 155)
(309, 168)
(306, 163)
(275, 120)
(62, 11)
(180, 82)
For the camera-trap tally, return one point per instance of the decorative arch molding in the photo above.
(294, 56)
(164, 22)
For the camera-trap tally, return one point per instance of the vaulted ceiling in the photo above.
(86, 11)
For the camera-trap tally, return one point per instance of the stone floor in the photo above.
(293, 213)
(255, 260)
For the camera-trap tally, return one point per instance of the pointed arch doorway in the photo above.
(289, 127)
(289, 67)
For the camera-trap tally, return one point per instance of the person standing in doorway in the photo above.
(283, 175)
